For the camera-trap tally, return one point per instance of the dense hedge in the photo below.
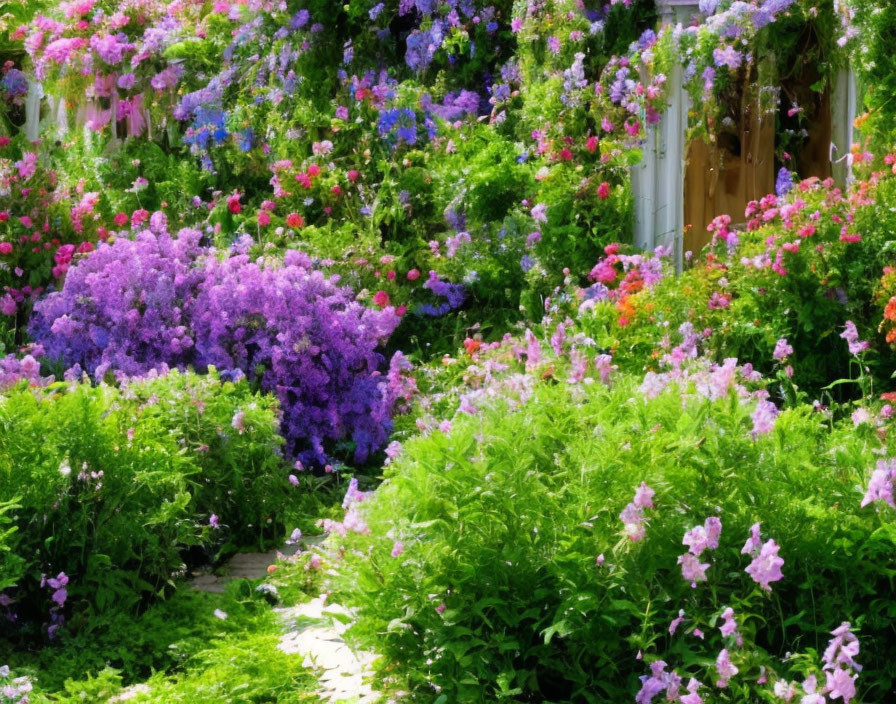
(113, 488)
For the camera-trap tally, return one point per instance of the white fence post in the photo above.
(844, 103)
(32, 110)
(658, 181)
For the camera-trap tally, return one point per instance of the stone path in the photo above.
(313, 630)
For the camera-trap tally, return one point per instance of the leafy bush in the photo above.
(157, 301)
(492, 564)
(111, 488)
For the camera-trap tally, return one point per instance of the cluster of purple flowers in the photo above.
(157, 302)
(454, 295)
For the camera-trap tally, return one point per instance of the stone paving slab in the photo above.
(316, 633)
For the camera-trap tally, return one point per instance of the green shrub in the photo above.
(498, 595)
(114, 487)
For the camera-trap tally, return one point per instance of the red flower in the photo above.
(233, 204)
(381, 298)
(591, 144)
(294, 220)
(120, 219)
(603, 191)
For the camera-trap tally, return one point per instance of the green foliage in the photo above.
(503, 518)
(177, 650)
(115, 487)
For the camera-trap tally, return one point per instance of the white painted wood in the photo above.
(32, 110)
(658, 181)
(844, 106)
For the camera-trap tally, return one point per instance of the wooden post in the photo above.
(844, 103)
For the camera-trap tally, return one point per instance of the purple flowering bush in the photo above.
(306, 340)
(504, 557)
(113, 492)
(159, 302)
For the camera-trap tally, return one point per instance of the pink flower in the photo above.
(764, 418)
(725, 668)
(782, 350)
(692, 569)
(676, 622)
(702, 537)
(880, 488)
(754, 542)
(603, 191)
(644, 496)
(766, 566)
(381, 298)
(397, 548)
(264, 218)
(729, 627)
(851, 335)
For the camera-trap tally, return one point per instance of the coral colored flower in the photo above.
(294, 220)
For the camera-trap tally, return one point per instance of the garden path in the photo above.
(313, 629)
